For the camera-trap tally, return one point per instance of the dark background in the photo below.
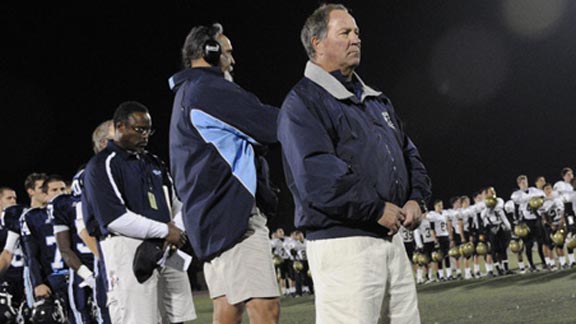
(485, 88)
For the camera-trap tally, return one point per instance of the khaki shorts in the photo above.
(245, 271)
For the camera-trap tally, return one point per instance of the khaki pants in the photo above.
(166, 296)
(362, 280)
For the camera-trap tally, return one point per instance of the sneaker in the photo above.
(459, 276)
(565, 266)
(490, 274)
(509, 272)
(522, 270)
(533, 269)
(477, 275)
(573, 264)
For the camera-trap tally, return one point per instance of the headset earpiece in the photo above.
(212, 51)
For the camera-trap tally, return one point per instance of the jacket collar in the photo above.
(177, 79)
(329, 83)
(125, 154)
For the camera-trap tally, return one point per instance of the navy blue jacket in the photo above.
(117, 182)
(216, 133)
(345, 156)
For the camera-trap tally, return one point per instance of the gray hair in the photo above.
(317, 26)
(193, 45)
(100, 133)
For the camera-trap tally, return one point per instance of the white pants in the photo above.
(362, 280)
(166, 295)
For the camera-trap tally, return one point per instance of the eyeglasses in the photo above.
(143, 130)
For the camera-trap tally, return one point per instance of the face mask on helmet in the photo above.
(7, 311)
(48, 311)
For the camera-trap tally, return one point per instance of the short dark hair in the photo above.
(30, 182)
(193, 45)
(566, 170)
(316, 25)
(521, 177)
(51, 178)
(547, 184)
(437, 201)
(127, 108)
(454, 199)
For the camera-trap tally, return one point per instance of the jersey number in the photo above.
(57, 264)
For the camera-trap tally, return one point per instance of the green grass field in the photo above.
(542, 297)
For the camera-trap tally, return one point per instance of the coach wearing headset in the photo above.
(218, 133)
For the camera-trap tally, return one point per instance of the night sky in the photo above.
(486, 89)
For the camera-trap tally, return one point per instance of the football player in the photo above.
(497, 229)
(565, 185)
(552, 213)
(408, 239)
(565, 189)
(467, 225)
(7, 197)
(513, 219)
(48, 273)
(424, 244)
(455, 216)
(278, 249)
(66, 212)
(11, 258)
(529, 215)
(442, 233)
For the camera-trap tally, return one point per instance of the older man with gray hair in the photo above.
(355, 177)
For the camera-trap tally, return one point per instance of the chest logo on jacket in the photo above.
(388, 120)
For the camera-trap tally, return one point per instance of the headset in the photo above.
(211, 49)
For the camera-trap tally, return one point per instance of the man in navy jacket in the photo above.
(355, 177)
(218, 134)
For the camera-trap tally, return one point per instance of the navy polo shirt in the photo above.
(117, 182)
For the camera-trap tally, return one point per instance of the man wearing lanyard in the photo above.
(130, 194)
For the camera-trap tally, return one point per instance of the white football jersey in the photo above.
(278, 248)
(454, 215)
(562, 187)
(290, 246)
(300, 248)
(440, 222)
(469, 218)
(521, 198)
(552, 209)
(495, 217)
(407, 235)
(423, 234)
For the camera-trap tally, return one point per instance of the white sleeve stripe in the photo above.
(111, 178)
(60, 228)
(12, 240)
